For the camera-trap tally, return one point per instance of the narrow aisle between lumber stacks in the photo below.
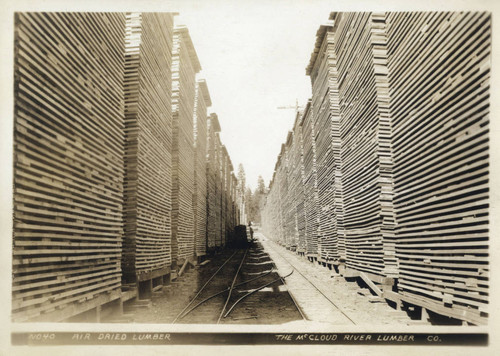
(262, 284)
(236, 286)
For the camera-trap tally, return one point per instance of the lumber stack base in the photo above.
(200, 258)
(467, 317)
(89, 310)
(147, 282)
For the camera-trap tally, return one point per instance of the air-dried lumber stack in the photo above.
(228, 199)
(311, 203)
(289, 199)
(364, 134)
(235, 215)
(148, 146)
(397, 135)
(202, 102)
(279, 192)
(297, 185)
(184, 69)
(325, 101)
(220, 190)
(281, 174)
(223, 197)
(271, 221)
(68, 163)
(440, 112)
(213, 185)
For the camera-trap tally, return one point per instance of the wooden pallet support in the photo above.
(370, 284)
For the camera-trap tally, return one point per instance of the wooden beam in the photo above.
(370, 284)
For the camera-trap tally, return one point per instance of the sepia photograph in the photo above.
(299, 174)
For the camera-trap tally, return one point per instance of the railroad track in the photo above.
(209, 296)
(309, 301)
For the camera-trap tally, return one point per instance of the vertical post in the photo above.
(98, 314)
(424, 316)
(145, 289)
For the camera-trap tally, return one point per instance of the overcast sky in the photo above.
(253, 56)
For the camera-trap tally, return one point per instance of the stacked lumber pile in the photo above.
(290, 199)
(220, 190)
(310, 182)
(284, 214)
(325, 100)
(202, 102)
(223, 191)
(440, 112)
(359, 141)
(148, 145)
(213, 127)
(281, 175)
(235, 218)
(279, 192)
(68, 163)
(185, 65)
(228, 216)
(396, 143)
(298, 184)
(271, 212)
(296, 187)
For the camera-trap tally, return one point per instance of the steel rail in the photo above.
(203, 287)
(301, 312)
(222, 291)
(255, 290)
(307, 279)
(232, 287)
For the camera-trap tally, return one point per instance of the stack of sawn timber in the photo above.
(363, 156)
(289, 201)
(68, 164)
(184, 69)
(399, 144)
(228, 199)
(148, 146)
(297, 184)
(310, 182)
(325, 101)
(213, 184)
(223, 207)
(440, 66)
(202, 102)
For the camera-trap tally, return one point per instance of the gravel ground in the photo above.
(271, 305)
(358, 303)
